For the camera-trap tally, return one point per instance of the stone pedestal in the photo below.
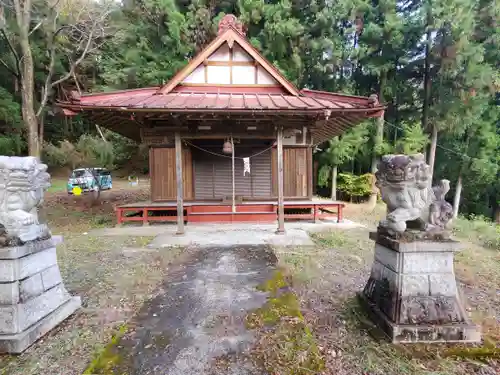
(33, 299)
(412, 292)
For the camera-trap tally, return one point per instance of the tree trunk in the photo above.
(41, 129)
(432, 151)
(28, 110)
(427, 72)
(456, 198)
(427, 83)
(27, 78)
(379, 138)
(334, 183)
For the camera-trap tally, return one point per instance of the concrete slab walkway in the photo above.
(199, 315)
(197, 320)
(227, 234)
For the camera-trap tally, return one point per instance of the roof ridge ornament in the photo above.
(231, 21)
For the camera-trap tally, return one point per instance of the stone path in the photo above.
(198, 316)
(237, 234)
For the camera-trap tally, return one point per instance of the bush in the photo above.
(11, 145)
(129, 156)
(89, 151)
(95, 152)
(64, 155)
(355, 186)
(124, 148)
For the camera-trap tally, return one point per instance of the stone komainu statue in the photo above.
(411, 203)
(23, 181)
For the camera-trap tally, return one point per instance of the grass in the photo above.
(286, 344)
(375, 355)
(107, 358)
(57, 185)
(479, 231)
(311, 323)
(112, 286)
(325, 279)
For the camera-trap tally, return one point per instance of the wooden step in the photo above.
(228, 209)
(233, 213)
(231, 217)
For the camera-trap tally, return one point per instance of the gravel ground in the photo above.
(198, 315)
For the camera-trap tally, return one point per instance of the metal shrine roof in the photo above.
(148, 99)
(211, 86)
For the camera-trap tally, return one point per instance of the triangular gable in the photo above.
(208, 66)
(230, 66)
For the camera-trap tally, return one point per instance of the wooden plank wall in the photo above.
(212, 176)
(297, 172)
(297, 162)
(163, 174)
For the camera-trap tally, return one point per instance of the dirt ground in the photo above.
(327, 278)
(112, 283)
(115, 281)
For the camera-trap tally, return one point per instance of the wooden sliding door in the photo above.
(297, 172)
(163, 175)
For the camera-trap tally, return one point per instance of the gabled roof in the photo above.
(186, 101)
(230, 32)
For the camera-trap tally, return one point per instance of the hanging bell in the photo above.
(227, 148)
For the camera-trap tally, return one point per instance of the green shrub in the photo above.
(124, 148)
(11, 145)
(355, 186)
(89, 151)
(64, 155)
(95, 151)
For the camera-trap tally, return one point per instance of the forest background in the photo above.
(435, 63)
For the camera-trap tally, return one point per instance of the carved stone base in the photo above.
(423, 333)
(33, 298)
(412, 292)
(414, 234)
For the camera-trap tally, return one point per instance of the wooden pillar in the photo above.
(180, 187)
(281, 200)
(232, 177)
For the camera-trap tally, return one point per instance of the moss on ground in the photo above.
(286, 344)
(274, 284)
(109, 360)
(489, 349)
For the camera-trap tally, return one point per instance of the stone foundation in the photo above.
(33, 298)
(412, 293)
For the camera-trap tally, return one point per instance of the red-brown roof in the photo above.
(328, 114)
(195, 101)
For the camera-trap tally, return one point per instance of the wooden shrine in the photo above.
(231, 139)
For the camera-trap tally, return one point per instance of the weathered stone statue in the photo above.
(412, 292)
(33, 299)
(405, 188)
(22, 183)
